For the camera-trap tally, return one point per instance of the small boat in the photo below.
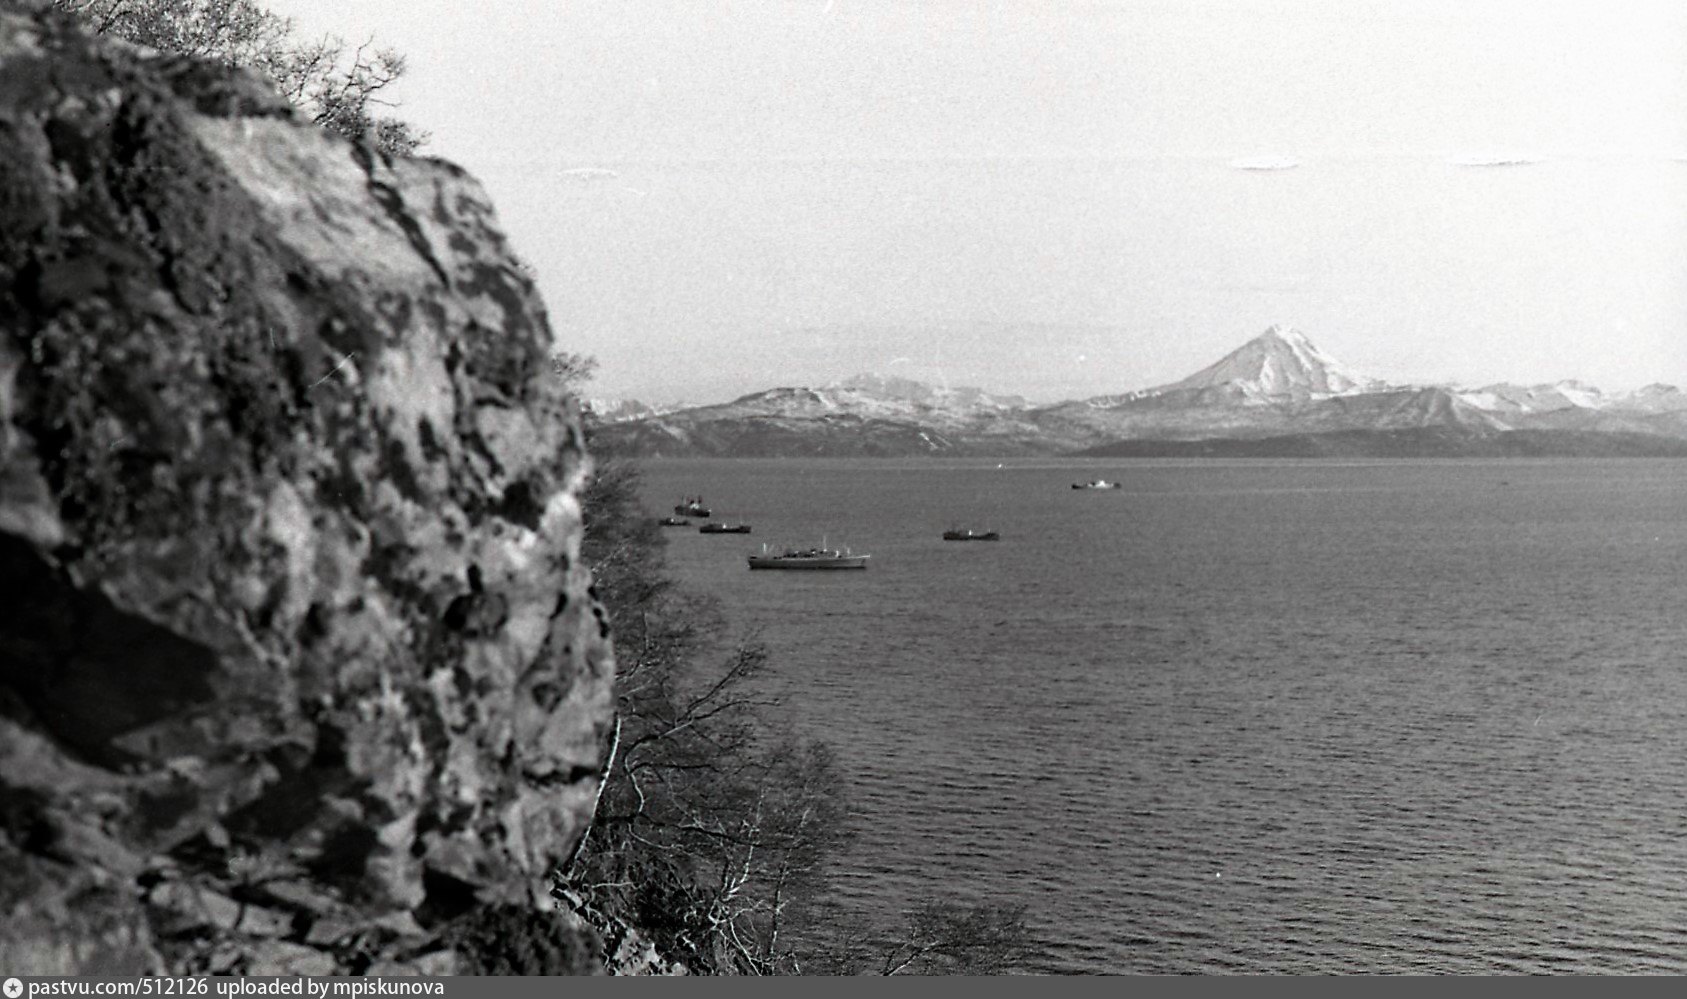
(1097, 484)
(808, 558)
(674, 522)
(971, 535)
(716, 527)
(691, 506)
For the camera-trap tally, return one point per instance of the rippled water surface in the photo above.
(1249, 717)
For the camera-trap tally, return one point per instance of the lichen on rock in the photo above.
(299, 667)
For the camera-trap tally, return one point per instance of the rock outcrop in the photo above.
(299, 669)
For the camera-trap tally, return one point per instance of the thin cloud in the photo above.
(1494, 160)
(590, 173)
(1265, 163)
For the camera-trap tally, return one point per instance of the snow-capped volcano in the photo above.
(1279, 364)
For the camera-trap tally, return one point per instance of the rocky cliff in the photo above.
(299, 670)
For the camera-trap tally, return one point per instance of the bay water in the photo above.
(1265, 716)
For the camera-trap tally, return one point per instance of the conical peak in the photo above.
(1279, 363)
(1286, 334)
(1289, 345)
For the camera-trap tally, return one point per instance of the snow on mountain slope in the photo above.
(890, 387)
(871, 397)
(1530, 399)
(618, 410)
(1542, 400)
(1653, 398)
(1400, 408)
(1279, 364)
(840, 421)
(866, 395)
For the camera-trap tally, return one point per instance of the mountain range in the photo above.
(1277, 394)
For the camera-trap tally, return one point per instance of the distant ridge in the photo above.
(1416, 442)
(1278, 393)
(617, 410)
(891, 387)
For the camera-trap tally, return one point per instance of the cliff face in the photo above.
(299, 670)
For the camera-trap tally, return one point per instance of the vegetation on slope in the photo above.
(337, 86)
(717, 829)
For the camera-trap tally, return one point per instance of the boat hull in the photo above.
(777, 562)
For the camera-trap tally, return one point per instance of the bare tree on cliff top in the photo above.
(715, 833)
(712, 832)
(339, 87)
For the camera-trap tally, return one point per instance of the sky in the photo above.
(1066, 199)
